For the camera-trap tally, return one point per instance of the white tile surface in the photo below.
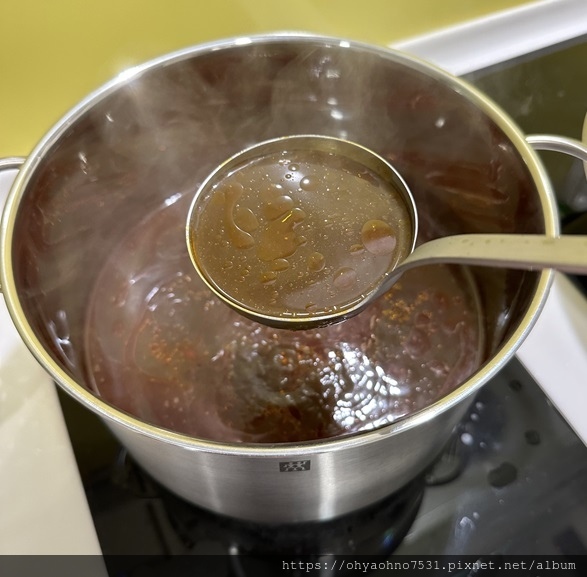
(555, 353)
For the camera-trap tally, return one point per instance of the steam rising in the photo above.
(152, 140)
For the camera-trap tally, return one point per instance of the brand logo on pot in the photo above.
(291, 466)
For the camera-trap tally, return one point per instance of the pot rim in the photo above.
(111, 413)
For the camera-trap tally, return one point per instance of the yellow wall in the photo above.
(52, 53)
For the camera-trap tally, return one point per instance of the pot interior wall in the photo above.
(153, 138)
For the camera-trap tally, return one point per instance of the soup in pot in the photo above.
(162, 347)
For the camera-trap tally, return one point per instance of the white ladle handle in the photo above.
(566, 253)
(520, 251)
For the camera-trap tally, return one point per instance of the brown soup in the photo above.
(298, 233)
(161, 347)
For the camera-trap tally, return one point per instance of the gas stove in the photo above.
(512, 480)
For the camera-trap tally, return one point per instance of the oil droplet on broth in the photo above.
(280, 264)
(309, 183)
(245, 219)
(316, 262)
(318, 228)
(279, 240)
(236, 236)
(344, 278)
(277, 206)
(378, 237)
(268, 278)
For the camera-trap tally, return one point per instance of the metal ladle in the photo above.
(519, 251)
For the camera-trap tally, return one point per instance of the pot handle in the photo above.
(563, 144)
(11, 163)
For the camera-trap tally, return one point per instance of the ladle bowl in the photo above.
(296, 232)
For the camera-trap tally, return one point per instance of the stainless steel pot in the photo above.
(157, 130)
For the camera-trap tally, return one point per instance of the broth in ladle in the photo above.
(295, 230)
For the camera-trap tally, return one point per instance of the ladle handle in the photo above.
(519, 251)
(11, 163)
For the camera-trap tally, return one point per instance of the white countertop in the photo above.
(43, 504)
